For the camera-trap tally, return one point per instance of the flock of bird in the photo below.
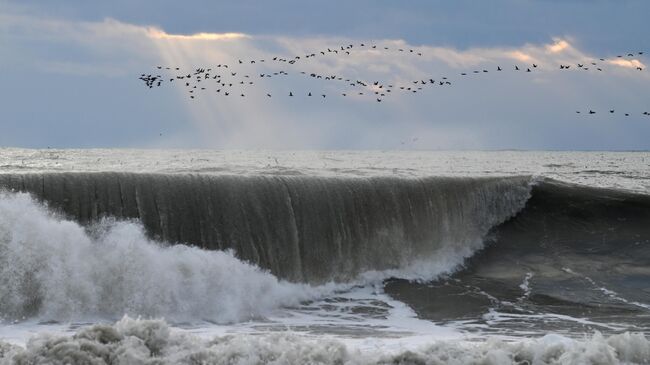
(229, 81)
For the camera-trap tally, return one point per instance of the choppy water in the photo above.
(325, 257)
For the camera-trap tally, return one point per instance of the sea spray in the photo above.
(54, 269)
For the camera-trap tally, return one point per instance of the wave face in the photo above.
(304, 229)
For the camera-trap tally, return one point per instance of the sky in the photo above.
(69, 74)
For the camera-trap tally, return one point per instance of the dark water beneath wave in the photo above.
(572, 252)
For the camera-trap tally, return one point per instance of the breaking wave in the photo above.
(56, 270)
(253, 244)
(304, 229)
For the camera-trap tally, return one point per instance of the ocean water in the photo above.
(350, 257)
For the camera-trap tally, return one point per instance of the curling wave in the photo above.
(304, 229)
(112, 258)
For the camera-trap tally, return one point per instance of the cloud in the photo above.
(443, 117)
(160, 34)
(627, 63)
(558, 46)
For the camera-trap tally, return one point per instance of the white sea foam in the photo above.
(54, 269)
(132, 341)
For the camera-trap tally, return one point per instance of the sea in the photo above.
(128, 256)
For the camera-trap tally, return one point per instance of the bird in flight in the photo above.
(236, 81)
